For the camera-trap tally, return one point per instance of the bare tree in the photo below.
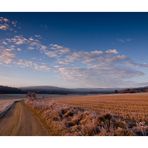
(31, 96)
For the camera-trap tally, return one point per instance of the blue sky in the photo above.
(74, 49)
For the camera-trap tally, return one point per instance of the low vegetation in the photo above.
(91, 115)
(131, 106)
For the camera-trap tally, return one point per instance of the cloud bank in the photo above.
(94, 68)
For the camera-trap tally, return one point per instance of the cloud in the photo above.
(55, 50)
(92, 57)
(17, 40)
(94, 68)
(3, 20)
(87, 57)
(64, 55)
(4, 27)
(7, 56)
(33, 65)
(142, 84)
(10, 47)
(135, 64)
(111, 51)
(99, 77)
(123, 41)
(30, 43)
(18, 49)
(6, 24)
(59, 48)
(51, 51)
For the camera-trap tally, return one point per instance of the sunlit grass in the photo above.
(94, 115)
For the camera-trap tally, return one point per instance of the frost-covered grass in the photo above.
(132, 106)
(65, 119)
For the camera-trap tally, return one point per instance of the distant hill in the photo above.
(46, 89)
(9, 90)
(94, 89)
(59, 90)
(133, 90)
(52, 90)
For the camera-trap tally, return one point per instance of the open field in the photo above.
(127, 105)
(122, 115)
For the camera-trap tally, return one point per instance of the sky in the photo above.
(74, 50)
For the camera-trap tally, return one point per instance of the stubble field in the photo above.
(126, 105)
(103, 115)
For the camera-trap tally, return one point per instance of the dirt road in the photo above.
(20, 121)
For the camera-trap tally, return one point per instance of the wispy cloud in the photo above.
(10, 47)
(104, 70)
(33, 65)
(111, 51)
(94, 68)
(6, 24)
(54, 50)
(104, 77)
(125, 40)
(6, 56)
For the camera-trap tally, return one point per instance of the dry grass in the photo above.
(134, 106)
(117, 115)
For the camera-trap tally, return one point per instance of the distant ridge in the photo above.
(134, 90)
(9, 90)
(54, 90)
(60, 90)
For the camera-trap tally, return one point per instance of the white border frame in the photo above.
(74, 5)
